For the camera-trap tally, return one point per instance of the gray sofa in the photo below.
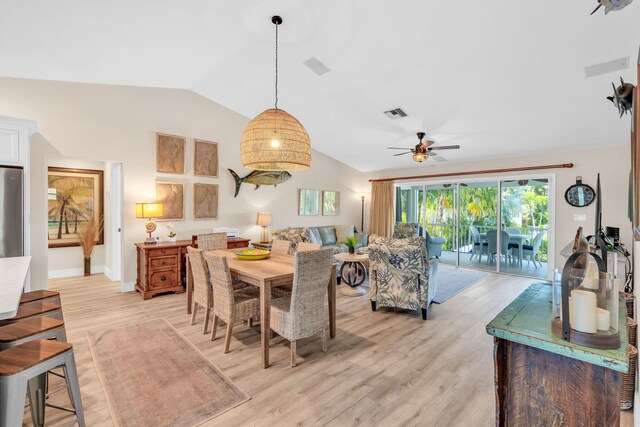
(329, 236)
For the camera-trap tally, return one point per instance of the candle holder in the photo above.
(588, 313)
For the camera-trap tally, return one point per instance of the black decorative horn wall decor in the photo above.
(622, 97)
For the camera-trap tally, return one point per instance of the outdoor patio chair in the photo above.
(479, 247)
(492, 246)
(533, 251)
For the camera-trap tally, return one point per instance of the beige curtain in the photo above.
(382, 210)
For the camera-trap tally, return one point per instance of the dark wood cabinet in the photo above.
(162, 266)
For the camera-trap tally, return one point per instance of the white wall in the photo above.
(65, 262)
(613, 163)
(40, 150)
(118, 123)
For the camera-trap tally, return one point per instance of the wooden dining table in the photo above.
(277, 270)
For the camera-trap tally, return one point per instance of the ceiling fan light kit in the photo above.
(275, 140)
(420, 157)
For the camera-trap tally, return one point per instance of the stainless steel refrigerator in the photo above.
(11, 212)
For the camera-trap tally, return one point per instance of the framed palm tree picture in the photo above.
(74, 196)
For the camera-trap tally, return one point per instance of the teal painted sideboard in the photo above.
(544, 380)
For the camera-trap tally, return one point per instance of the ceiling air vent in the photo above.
(606, 67)
(316, 66)
(396, 113)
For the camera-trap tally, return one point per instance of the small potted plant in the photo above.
(172, 234)
(351, 243)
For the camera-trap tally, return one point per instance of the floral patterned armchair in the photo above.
(403, 230)
(400, 274)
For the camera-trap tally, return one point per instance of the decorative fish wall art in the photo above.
(622, 96)
(259, 178)
(610, 5)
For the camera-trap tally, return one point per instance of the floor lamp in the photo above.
(362, 195)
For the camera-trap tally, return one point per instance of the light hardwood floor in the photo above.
(382, 368)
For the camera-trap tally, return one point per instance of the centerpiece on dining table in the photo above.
(253, 254)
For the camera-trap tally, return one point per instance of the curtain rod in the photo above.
(438, 175)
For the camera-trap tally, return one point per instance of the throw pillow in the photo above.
(295, 235)
(343, 231)
(314, 235)
(328, 235)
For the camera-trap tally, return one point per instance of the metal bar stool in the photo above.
(35, 309)
(42, 295)
(31, 360)
(35, 328)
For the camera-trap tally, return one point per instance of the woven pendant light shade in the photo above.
(275, 141)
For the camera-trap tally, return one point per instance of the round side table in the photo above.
(353, 272)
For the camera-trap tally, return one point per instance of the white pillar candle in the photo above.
(590, 283)
(591, 276)
(603, 319)
(584, 311)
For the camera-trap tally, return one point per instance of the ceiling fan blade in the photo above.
(398, 148)
(431, 153)
(428, 143)
(439, 158)
(402, 154)
(445, 147)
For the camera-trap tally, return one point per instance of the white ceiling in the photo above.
(500, 78)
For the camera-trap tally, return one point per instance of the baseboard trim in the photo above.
(127, 286)
(108, 273)
(72, 272)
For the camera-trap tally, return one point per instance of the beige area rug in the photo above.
(153, 376)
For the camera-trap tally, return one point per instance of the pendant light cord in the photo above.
(276, 66)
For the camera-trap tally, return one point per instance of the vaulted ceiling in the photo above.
(500, 78)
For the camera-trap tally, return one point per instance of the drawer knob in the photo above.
(163, 278)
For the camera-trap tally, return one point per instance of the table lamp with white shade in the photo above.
(264, 220)
(149, 211)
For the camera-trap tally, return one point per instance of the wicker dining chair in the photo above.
(212, 241)
(281, 247)
(230, 303)
(306, 246)
(302, 314)
(202, 291)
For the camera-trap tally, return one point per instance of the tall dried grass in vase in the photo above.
(88, 236)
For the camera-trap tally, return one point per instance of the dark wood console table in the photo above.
(543, 380)
(162, 267)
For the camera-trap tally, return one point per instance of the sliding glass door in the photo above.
(478, 246)
(525, 218)
(440, 219)
(494, 225)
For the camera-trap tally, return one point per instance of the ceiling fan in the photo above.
(424, 150)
